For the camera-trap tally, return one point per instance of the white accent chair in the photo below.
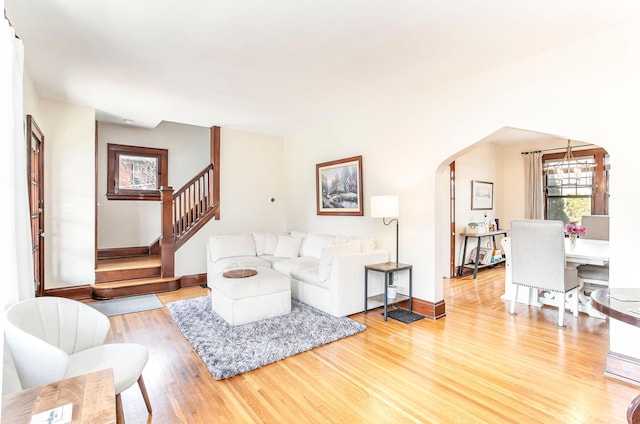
(53, 338)
(538, 262)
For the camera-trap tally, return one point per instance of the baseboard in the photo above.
(193, 280)
(72, 292)
(428, 309)
(623, 367)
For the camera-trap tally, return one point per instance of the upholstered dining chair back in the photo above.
(597, 227)
(537, 255)
(538, 262)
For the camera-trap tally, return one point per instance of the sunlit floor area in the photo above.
(476, 365)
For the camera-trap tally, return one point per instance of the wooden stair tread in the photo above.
(117, 264)
(131, 287)
(134, 282)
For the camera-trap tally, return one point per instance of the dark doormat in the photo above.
(403, 315)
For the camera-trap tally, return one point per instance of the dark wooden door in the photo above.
(35, 176)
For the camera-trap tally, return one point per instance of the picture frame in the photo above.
(484, 257)
(339, 187)
(481, 195)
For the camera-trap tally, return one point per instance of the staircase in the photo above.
(149, 269)
(129, 275)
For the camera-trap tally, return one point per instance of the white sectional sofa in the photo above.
(326, 271)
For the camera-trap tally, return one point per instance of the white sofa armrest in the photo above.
(347, 280)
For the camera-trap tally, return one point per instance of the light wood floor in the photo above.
(476, 365)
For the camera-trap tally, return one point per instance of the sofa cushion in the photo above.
(308, 276)
(239, 262)
(287, 247)
(329, 252)
(295, 265)
(259, 239)
(313, 244)
(270, 243)
(229, 245)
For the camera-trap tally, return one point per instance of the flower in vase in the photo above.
(573, 230)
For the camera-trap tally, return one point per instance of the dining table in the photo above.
(586, 251)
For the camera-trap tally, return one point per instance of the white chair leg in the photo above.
(576, 301)
(512, 309)
(561, 310)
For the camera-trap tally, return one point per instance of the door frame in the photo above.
(35, 179)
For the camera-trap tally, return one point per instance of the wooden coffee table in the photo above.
(92, 396)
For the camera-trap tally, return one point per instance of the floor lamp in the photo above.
(386, 207)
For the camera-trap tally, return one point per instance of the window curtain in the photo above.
(15, 249)
(534, 186)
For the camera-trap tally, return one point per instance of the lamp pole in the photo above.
(397, 227)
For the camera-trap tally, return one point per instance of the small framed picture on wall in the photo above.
(481, 195)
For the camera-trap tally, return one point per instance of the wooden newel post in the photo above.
(167, 240)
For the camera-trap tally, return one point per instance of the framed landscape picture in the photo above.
(481, 195)
(339, 187)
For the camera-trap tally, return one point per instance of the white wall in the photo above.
(483, 163)
(251, 173)
(123, 223)
(69, 192)
(586, 90)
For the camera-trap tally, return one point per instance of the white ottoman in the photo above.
(242, 300)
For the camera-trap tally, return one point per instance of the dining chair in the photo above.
(538, 262)
(505, 243)
(53, 338)
(597, 229)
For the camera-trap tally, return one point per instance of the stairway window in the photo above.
(135, 173)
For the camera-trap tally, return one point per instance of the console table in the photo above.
(388, 268)
(92, 395)
(475, 265)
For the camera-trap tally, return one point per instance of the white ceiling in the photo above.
(278, 66)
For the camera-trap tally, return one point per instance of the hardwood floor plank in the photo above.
(476, 365)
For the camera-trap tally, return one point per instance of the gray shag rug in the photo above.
(127, 305)
(229, 350)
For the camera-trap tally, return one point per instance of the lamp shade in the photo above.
(385, 206)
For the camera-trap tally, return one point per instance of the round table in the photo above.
(617, 303)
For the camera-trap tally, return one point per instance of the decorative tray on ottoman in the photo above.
(239, 273)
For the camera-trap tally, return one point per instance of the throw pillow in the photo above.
(230, 245)
(288, 247)
(270, 243)
(314, 243)
(368, 245)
